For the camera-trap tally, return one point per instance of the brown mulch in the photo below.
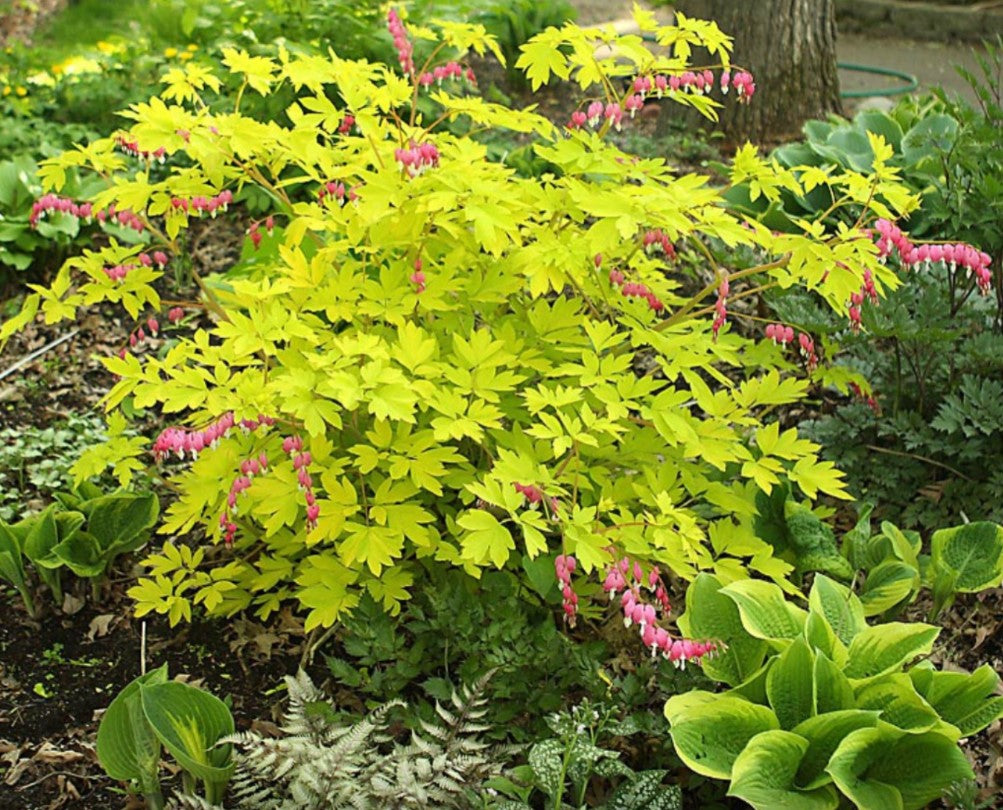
(58, 674)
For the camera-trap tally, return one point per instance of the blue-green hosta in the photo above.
(824, 710)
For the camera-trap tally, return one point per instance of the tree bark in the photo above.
(789, 46)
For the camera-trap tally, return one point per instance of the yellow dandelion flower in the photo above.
(170, 53)
(20, 91)
(6, 90)
(185, 56)
(106, 47)
(193, 47)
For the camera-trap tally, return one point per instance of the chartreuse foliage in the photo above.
(189, 722)
(516, 361)
(823, 707)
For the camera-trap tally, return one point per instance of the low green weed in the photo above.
(36, 462)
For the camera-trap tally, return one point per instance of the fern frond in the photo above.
(319, 765)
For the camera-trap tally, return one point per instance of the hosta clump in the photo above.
(962, 559)
(318, 765)
(824, 708)
(413, 405)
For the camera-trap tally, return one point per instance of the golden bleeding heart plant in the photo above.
(434, 357)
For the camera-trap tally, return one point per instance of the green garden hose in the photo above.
(910, 81)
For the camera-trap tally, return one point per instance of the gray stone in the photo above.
(919, 20)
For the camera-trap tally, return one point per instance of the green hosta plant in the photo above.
(152, 712)
(86, 535)
(433, 356)
(823, 708)
(890, 564)
(964, 559)
(12, 564)
(917, 139)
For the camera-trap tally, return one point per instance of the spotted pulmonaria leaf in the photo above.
(546, 760)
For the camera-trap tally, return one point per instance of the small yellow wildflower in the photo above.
(193, 47)
(185, 56)
(170, 53)
(6, 90)
(20, 91)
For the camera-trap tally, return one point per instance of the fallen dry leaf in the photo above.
(16, 771)
(72, 604)
(49, 754)
(100, 626)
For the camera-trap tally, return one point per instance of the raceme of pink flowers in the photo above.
(204, 205)
(450, 70)
(293, 447)
(119, 271)
(418, 157)
(132, 148)
(418, 277)
(721, 306)
(183, 442)
(655, 241)
(630, 579)
(249, 467)
(870, 401)
(405, 51)
(53, 203)
(784, 335)
(564, 567)
(779, 333)
(693, 82)
(974, 261)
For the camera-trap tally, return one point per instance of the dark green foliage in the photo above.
(936, 374)
(459, 628)
(933, 349)
(798, 535)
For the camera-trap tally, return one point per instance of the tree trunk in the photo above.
(789, 46)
